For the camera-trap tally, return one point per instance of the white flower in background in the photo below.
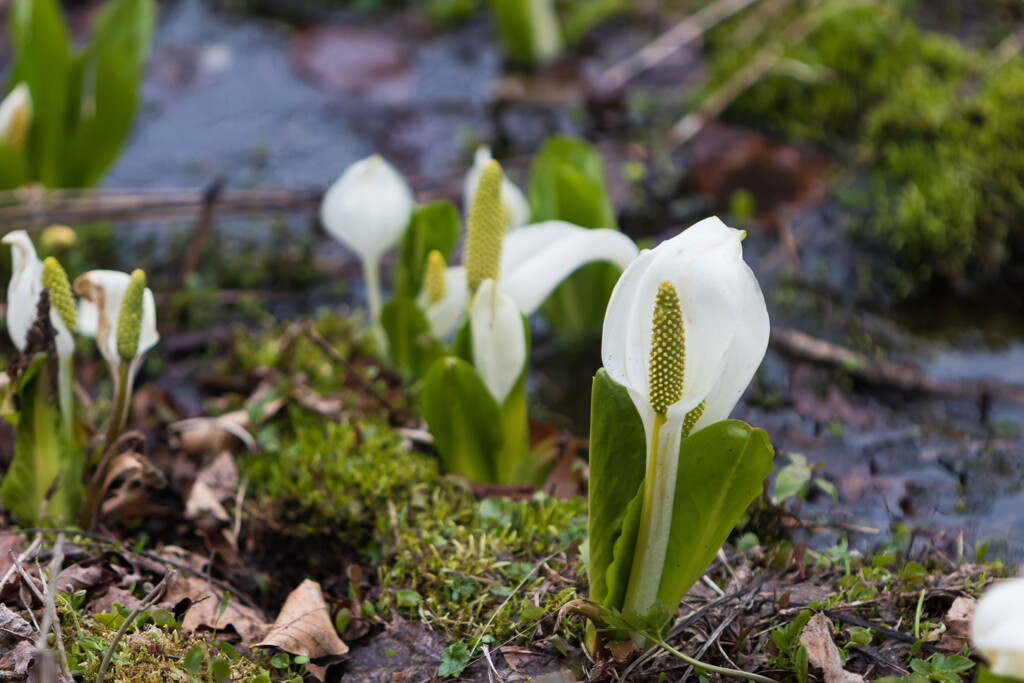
(998, 628)
(685, 330)
(517, 209)
(499, 339)
(539, 257)
(368, 209)
(101, 293)
(16, 116)
(23, 296)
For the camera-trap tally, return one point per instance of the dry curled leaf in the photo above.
(958, 624)
(12, 627)
(822, 653)
(304, 626)
(205, 612)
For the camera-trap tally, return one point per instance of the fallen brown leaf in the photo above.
(203, 615)
(304, 626)
(958, 624)
(12, 627)
(822, 653)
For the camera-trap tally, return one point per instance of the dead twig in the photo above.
(201, 236)
(688, 30)
(307, 328)
(153, 596)
(797, 344)
(760, 65)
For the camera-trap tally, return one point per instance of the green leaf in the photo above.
(792, 478)
(618, 461)
(454, 659)
(113, 65)
(412, 347)
(617, 576)
(801, 664)
(40, 41)
(986, 676)
(42, 456)
(408, 598)
(433, 226)
(464, 419)
(567, 182)
(528, 28)
(721, 471)
(194, 659)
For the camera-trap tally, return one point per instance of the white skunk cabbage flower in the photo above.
(443, 311)
(998, 628)
(499, 339)
(517, 208)
(537, 258)
(15, 116)
(368, 209)
(689, 367)
(23, 296)
(101, 294)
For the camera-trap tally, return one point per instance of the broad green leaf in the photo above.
(528, 28)
(464, 419)
(567, 182)
(413, 349)
(113, 67)
(618, 460)
(40, 41)
(617, 577)
(433, 226)
(13, 171)
(722, 469)
(42, 457)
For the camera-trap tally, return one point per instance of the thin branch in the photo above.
(153, 596)
(683, 33)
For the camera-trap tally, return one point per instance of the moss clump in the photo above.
(152, 653)
(937, 126)
(441, 554)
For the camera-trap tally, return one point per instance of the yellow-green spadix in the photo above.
(101, 294)
(537, 258)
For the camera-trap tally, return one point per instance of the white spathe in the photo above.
(98, 312)
(444, 315)
(368, 208)
(512, 198)
(539, 257)
(726, 327)
(499, 339)
(15, 115)
(998, 628)
(23, 296)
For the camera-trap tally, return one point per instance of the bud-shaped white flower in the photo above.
(368, 209)
(685, 330)
(517, 208)
(101, 293)
(16, 116)
(998, 628)
(23, 296)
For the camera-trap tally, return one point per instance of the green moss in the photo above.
(442, 555)
(935, 125)
(157, 653)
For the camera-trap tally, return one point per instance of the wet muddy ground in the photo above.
(262, 103)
